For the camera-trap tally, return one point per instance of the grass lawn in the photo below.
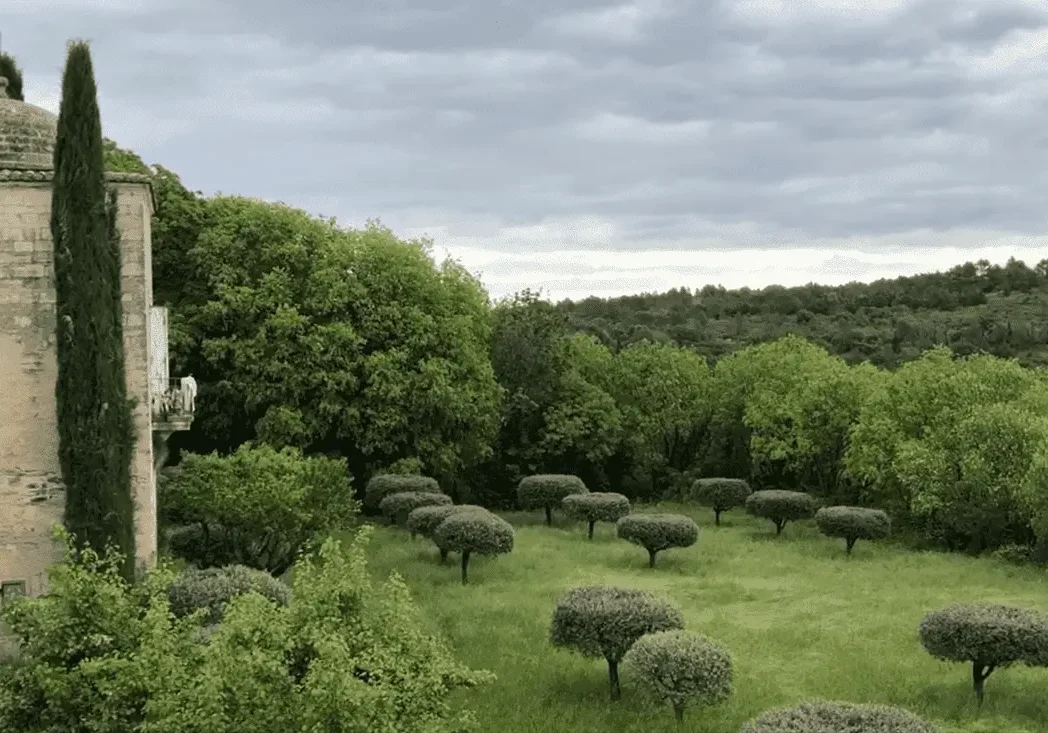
(801, 619)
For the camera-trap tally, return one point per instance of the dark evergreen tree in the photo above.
(10, 71)
(95, 430)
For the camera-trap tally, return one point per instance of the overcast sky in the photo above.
(586, 147)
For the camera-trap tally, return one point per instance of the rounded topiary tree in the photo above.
(382, 485)
(474, 533)
(425, 520)
(546, 491)
(820, 716)
(212, 588)
(986, 635)
(596, 507)
(781, 506)
(720, 494)
(853, 523)
(397, 507)
(681, 667)
(604, 621)
(658, 532)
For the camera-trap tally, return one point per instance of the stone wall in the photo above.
(31, 497)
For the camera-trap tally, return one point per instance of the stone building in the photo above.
(31, 492)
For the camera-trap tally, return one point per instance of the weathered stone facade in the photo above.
(31, 493)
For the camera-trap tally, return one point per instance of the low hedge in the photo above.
(547, 491)
(658, 532)
(853, 523)
(681, 668)
(596, 507)
(781, 506)
(213, 588)
(986, 635)
(474, 533)
(382, 485)
(720, 494)
(397, 507)
(605, 621)
(820, 716)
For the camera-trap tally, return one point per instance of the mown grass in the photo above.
(801, 619)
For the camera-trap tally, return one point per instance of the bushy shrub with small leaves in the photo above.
(988, 636)
(720, 494)
(397, 507)
(820, 716)
(853, 523)
(546, 491)
(213, 588)
(604, 621)
(425, 520)
(596, 507)
(658, 532)
(781, 506)
(384, 484)
(681, 668)
(474, 533)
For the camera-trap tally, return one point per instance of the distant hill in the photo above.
(974, 307)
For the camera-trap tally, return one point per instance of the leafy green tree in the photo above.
(94, 414)
(258, 507)
(10, 71)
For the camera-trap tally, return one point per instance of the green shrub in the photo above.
(853, 523)
(596, 507)
(1015, 554)
(781, 506)
(604, 621)
(382, 485)
(397, 507)
(681, 667)
(212, 588)
(474, 533)
(425, 520)
(546, 491)
(720, 494)
(987, 635)
(819, 716)
(658, 532)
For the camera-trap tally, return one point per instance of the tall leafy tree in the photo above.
(10, 71)
(95, 435)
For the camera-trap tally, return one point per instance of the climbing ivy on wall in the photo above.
(95, 432)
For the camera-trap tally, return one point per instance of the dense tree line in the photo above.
(355, 344)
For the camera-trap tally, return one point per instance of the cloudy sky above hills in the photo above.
(587, 147)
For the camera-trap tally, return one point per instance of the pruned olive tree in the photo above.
(853, 523)
(820, 716)
(474, 533)
(604, 621)
(658, 532)
(596, 507)
(547, 491)
(397, 507)
(720, 494)
(781, 506)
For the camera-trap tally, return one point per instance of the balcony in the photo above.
(174, 402)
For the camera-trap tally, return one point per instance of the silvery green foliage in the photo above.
(987, 635)
(720, 494)
(605, 621)
(819, 716)
(473, 532)
(397, 507)
(852, 523)
(596, 507)
(658, 532)
(213, 588)
(546, 491)
(384, 484)
(781, 506)
(425, 519)
(681, 668)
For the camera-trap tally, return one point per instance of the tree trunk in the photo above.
(549, 516)
(851, 543)
(591, 530)
(980, 672)
(778, 527)
(651, 558)
(613, 678)
(678, 713)
(465, 564)
(443, 556)
(716, 517)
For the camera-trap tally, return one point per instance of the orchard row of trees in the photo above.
(354, 344)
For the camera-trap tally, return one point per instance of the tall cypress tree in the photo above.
(10, 71)
(95, 429)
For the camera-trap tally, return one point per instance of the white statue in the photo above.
(188, 388)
